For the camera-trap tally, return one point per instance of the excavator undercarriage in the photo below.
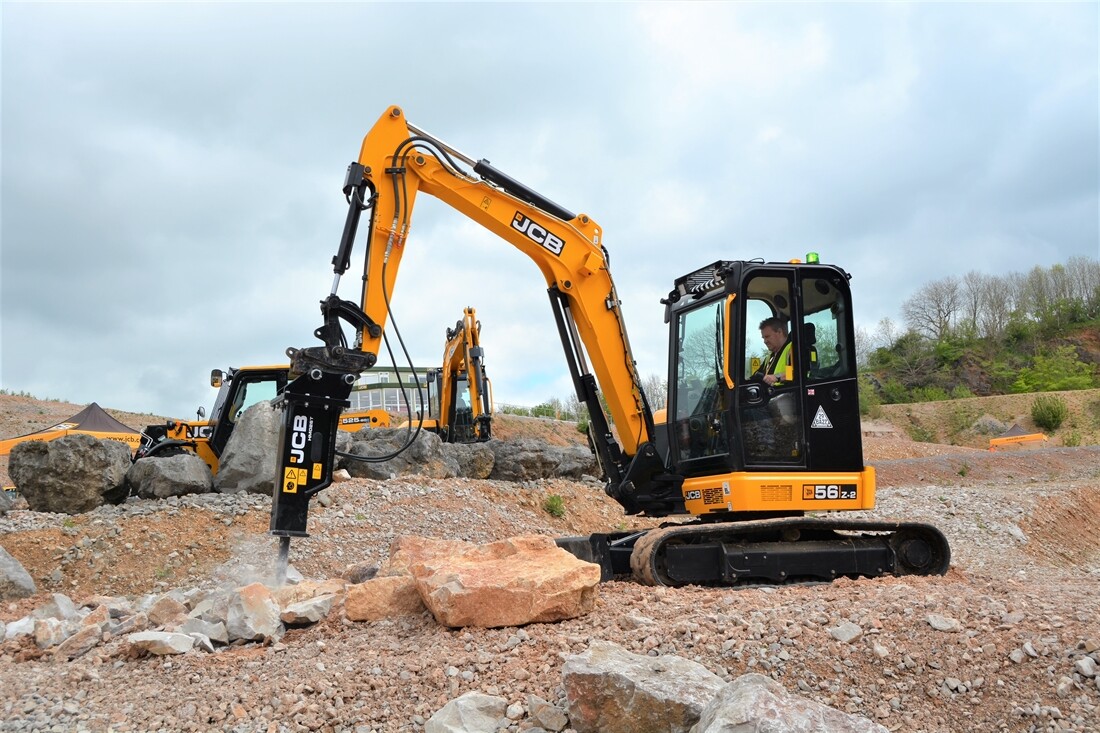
(770, 551)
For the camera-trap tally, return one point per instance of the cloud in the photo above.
(171, 172)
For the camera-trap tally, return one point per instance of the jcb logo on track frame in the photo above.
(538, 234)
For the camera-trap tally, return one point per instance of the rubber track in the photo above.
(646, 554)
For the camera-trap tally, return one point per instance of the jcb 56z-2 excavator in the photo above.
(238, 390)
(755, 465)
(460, 396)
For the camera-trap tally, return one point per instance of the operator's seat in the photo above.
(809, 348)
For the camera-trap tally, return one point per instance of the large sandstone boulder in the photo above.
(70, 475)
(161, 477)
(248, 462)
(517, 581)
(383, 597)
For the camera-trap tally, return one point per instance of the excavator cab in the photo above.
(722, 417)
(237, 391)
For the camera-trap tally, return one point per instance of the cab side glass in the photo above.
(828, 341)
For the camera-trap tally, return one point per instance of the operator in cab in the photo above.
(776, 337)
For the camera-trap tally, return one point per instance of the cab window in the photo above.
(827, 342)
(700, 389)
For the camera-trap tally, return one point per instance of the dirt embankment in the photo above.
(960, 422)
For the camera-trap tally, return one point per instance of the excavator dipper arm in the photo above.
(396, 162)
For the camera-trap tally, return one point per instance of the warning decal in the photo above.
(292, 479)
(821, 420)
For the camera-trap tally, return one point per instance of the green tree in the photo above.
(1053, 371)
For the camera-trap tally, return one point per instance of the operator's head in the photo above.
(774, 332)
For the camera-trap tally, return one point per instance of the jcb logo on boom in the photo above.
(538, 234)
(299, 436)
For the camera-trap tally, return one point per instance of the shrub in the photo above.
(921, 434)
(870, 405)
(554, 505)
(1072, 439)
(1093, 409)
(929, 394)
(1049, 411)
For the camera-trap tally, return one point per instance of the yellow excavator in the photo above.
(238, 389)
(460, 395)
(756, 472)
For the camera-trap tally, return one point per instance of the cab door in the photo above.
(834, 434)
(769, 417)
(699, 398)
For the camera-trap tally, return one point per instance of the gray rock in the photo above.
(546, 715)
(60, 607)
(248, 461)
(475, 460)
(161, 477)
(19, 627)
(211, 631)
(15, 581)
(528, 459)
(308, 611)
(846, 632)
(161, 642)
(944, 623)
(70, 475)
(754, 702)
(1086, 666)
(473, 712)
(253, 614)
(423, 456)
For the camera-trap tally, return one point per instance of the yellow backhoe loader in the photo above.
(460, 397)
(238, 390)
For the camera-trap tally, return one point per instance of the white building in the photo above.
(391, 390)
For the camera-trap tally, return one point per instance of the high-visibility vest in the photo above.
(782, 363)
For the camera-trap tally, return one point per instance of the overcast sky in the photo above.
(171, 173)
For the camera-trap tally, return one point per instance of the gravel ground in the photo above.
(998, 644)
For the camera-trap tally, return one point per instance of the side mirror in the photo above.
(201, 412)
(216, 377)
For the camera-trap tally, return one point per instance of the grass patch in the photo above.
(554, 505)
(921, 434)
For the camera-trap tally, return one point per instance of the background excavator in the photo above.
(460, 396)
(238, 389)
(748, 467)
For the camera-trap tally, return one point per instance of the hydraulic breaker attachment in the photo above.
(311, 406)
